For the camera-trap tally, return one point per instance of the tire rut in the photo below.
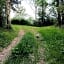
(7, 51)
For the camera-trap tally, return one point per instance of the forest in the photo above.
(32, 39)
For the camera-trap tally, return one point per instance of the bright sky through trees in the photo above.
(29, 7)
(30, 10)
(49, 1)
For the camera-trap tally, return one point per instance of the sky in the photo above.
(29, 9)
(49, 1)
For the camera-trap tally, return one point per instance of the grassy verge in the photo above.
(25, 51)
(6, 37)
(53, 42)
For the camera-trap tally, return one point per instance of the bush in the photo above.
(37, 23)
(24, 22)
(15, 21)
(40, 23)
(20, 21)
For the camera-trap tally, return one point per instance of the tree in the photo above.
(20, 13)
(9, 5)
(5, 7)
(41, 9)
(60, 11)
(2, 11)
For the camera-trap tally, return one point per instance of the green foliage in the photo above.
(20, 21)
(60, 8)
(54, 45)
(52, 41)
(2, 17)
(20, 54)
(41, 2)
(45, 22)
(6, 36)
(30, 20)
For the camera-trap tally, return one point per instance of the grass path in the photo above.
(7, 51)
(40, 50)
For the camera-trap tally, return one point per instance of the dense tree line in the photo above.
(60, 11)
(59, 7)
(40, 14)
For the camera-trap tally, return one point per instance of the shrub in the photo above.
(20, 21)
(40, 23)
(37, 23)
(24, 22)
(15, 21)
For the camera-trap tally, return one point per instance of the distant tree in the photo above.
(42, 4)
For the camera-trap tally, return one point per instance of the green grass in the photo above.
(22, 53)
(54, 44)
(25, 28)
(6, 36)
(52, 41)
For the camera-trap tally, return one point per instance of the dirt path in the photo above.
(7, 51)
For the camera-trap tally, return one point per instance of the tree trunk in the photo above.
(62, 1)
(0, 21)
(59, 19)
(59, 14)
(63, 17)
(8, 7)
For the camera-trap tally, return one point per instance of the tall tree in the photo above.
(60, 11)
(5, 7)
(8, 7)
(2, 11)
(41, 11)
